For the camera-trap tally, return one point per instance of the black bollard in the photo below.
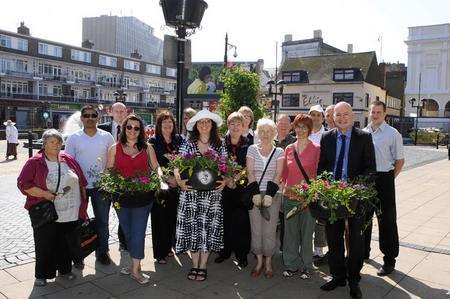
(30, 144)
(437, 141)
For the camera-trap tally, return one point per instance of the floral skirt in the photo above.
(199, 221)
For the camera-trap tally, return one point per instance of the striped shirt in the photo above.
(260, 163)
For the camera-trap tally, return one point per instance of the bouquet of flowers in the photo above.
(203, 171)
(118, 187)
(331, 199)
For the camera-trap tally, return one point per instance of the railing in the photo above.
(19, 74)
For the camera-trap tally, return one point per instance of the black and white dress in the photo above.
(200, 213)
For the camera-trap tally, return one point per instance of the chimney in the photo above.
(317, 33)
(288, 37)
(136, 54)
(88, 44)
(350, 48)
(24, 30)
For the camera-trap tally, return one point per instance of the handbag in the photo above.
(88, 237)
(44, 212)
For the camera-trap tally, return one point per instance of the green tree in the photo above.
(241, 88)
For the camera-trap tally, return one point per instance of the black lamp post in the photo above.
(183, 15)
(419, 106)
(120, 96)
(278, 90)
(228, 46)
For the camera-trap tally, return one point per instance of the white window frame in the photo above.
(153, 69)
(49, 50)
(107, 61)
(131, 65)
(12, 42)
(82, 56)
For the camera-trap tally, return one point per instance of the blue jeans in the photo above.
(101, 208)
(134, 223)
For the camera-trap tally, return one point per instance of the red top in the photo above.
(34, 174)
(291, 174)
(129, 166)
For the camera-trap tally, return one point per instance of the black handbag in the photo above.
(88, 237)
(44, 212)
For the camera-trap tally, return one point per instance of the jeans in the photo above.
(134, 224)
(101, 208)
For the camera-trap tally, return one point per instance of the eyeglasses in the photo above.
(90, 115)
(130, 127)
(304, 128)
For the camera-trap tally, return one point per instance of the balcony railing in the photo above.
(18, 74)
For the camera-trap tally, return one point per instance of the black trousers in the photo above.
(121, 235)
(236, 225)
(164, 220)
(339, 268)
(387, 220)
(53, 245)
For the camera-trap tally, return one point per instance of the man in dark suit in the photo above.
(347, 152)
(119, 113)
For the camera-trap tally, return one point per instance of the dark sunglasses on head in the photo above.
(90, 115)
(130, 127)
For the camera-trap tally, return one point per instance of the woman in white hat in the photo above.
(12, 139)
(200, 215)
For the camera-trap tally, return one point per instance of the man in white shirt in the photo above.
(389, 156)
(316, 113)
(89, 147)
(119, 113)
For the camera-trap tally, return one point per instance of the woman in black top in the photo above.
(235, 214)
(164, 215)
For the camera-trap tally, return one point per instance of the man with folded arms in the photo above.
(388, 145)
(347, 152)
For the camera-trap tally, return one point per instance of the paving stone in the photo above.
(85, 291)
(26, 289)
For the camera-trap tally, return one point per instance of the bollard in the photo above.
(30, 144)
(437, 141)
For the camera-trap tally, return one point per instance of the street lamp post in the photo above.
(228, 47)
(182, 15)
(420, 104)
(275, 102)
(120, 96)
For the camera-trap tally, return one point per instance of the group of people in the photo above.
(224, 220)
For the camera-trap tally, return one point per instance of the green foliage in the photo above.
(241, 88)
(426, 136)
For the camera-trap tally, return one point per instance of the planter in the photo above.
(322, 212)
(203, 179)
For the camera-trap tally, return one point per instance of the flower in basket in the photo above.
(297, 198)
(115, 186)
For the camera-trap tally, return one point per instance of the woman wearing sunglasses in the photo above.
(132, 156)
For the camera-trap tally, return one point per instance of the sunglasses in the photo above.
(90, 115)
(130, 127)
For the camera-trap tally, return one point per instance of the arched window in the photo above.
(447, 109)
(431, 108)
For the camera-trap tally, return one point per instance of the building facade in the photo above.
(429, 74)
(122, 36)
(327, 79)
(43, 81)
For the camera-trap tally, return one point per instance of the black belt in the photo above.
(381, 173)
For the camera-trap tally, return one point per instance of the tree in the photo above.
(241, 88)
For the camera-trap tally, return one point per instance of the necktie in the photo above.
(118, 132)
(340, 161)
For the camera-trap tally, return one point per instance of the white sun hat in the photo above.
(205, 113)
(9, 123)
(317, 108)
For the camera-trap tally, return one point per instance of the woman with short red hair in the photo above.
(300, 165)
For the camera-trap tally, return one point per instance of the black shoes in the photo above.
(385, 270)
(123, 247)
(242, 263)
(320, 260)
(332, 284)
(220, 259)
(79, 265)
(104, 259)
(355, 291)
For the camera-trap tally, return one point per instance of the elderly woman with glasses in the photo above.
(55, 177)
(132, 156)
(264, 166)
(300, 165)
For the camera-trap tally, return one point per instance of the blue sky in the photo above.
(254, 26)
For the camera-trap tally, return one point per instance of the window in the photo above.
(153, 69)
(13, 42)
(131, 65)
(107, 60)
(49, 69)
(290, 100)
(171, 72)
(344, 74)
(14, 87)
(14, 65)
(295, 77)
(77, 74)
(50, 50)
(82, 56)
(343, 97)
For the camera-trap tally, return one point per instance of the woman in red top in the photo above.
(299, 229)
(133, 156)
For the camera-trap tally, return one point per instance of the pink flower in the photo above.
(223, 168)
(342, 185)
(144, 180)
(305, 187)
(327, 184)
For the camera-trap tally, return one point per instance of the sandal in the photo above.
(192, 275)
(256, 273)
(202, 274)
(268, 274)
(125, 271)
(144, 279)
(289, 273)
(305, 275)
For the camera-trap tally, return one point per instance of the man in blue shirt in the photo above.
(347, 152)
